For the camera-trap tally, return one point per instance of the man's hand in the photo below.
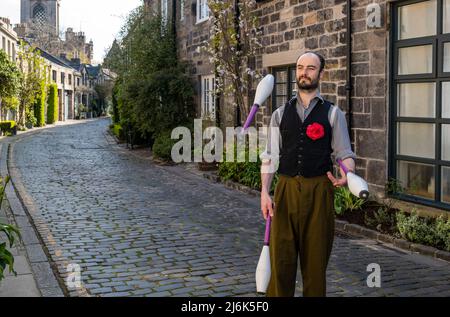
(338, 182)
(350, 164)
(267, 205)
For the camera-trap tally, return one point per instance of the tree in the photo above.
(232, 47)
(9, 80)
(34, 76)
(153, 91)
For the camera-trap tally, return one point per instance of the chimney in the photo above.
(6, 20)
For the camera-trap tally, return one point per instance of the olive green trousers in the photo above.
(302, 227)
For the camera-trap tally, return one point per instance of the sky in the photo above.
(100, 20)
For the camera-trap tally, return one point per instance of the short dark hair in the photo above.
(320, 57)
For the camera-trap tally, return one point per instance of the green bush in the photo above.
(443, 231)
(424, 230)
(345, 201)
(246, 173)
(11, 232)
(118, 131)
(383, 220)
(7, 127)
(52, 110)
(162, 147)
(39, 106)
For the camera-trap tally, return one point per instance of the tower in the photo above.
(41, 12)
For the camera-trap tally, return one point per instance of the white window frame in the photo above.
(182, 10)
(208, 99)
(164, 11)
(202, 11)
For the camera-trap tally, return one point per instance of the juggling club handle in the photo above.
(251, 115)
(344, 168)
(267, 235)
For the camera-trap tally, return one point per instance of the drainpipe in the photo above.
(174, 20)
(348, 85)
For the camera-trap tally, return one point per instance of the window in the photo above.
(78, 82)
(164, 11)
(420, 121)
(202, 10)
(4, 43)
(63, 77)
(54, 74)
(208, 102)
(182, 10)
(285, 85)
(39, 14)
(70, 79)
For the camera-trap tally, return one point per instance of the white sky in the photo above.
(100, 20)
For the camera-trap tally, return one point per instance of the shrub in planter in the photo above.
(246, 173)
(424, 230)
(344, 201)
(118, 131)
(8, 127)
(162, 147)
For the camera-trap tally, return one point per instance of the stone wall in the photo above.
(293, 26)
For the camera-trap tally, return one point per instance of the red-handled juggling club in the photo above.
(263, 91)
(263, 269)
(356, 185)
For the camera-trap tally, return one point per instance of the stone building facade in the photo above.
(40, 26)
(388, 69)
(8, 38)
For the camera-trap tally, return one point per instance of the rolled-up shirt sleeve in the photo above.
(273, 142)
(340, 141)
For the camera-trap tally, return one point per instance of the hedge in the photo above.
(7, 126)
(39, 107)
(52, 110)
(162, 148)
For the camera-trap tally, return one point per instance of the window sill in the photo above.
(202, 20)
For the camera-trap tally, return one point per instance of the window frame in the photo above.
(164, 6)
(199, 17)
(207, 100)
(437, 76)
(276, 69)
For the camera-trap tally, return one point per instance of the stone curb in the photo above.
(354, 229)
(41, 266)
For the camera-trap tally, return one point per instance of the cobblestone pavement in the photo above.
(136, 228)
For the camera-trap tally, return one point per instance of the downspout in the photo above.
(174, 21)
(348, 85)
(238, 48)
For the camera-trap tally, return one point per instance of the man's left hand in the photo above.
(338, 182)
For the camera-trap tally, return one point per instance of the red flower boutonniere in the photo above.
(315, 131)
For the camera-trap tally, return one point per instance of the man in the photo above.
(306, 131)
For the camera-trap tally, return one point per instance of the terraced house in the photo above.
(388, 68)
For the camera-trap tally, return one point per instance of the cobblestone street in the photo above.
(137, 228)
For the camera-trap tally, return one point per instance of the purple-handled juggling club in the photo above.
(263, 91)
(263, 269)
(356, 185)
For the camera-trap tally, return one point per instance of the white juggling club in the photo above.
(357, 185)
(263, 269)
(263, 91)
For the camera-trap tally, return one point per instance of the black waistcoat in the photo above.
(300, 155)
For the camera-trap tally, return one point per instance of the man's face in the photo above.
(308, 75)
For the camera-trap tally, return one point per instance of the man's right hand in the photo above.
(267, 206)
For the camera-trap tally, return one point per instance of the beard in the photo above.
(308, 84)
